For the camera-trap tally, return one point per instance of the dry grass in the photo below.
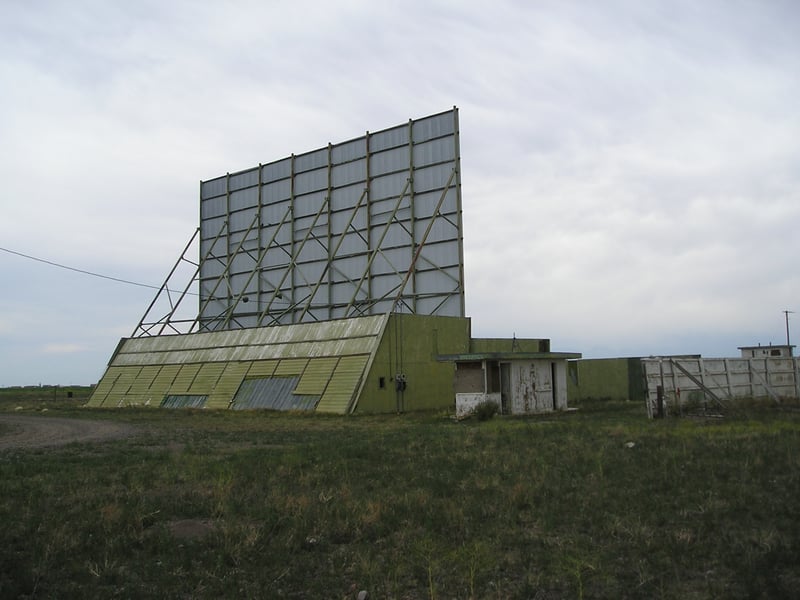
(598, 504)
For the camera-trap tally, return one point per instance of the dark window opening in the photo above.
(382, 382)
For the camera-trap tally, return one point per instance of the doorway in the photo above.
(505, 388)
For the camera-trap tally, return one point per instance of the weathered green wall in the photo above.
(605, 379)
(410, 345)
(486, 345)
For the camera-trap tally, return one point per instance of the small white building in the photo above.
(781, 351)
(518, 380)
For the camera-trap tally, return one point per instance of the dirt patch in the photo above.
(191, 529)
(22, 431)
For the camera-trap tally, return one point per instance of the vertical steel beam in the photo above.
(377, 248)
(226, 272)
(261, 254)
(328, 239)
(412, 266)
(413, 215)
(457, 155)
(292, 263)
(369, 208)
(291, 247)
(228, 219)
(260, 227)
(331, 256)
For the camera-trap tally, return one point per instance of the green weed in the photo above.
(595, 504)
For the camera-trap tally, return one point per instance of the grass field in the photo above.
(599, 503)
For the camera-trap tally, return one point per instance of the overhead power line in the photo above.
(83, 271)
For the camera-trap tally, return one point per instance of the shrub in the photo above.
(486, 410)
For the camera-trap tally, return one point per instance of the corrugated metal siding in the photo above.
(119, 391)
(228, 383)
(294, 366)
(163, 381)
(343, 384)
(272, 393)
(184, 401)
(262, 368)
(139, 392)
(206, 378)
(104, 386)
(143, 370)
(330, 338)
(184, 378)
(316, 376)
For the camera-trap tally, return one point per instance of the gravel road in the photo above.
(22, 431)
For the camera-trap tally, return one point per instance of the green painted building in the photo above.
(605, 379)
(373, 364)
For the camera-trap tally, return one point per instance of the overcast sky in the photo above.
(630, 169)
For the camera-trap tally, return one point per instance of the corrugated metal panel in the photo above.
(206, 379)
(139, 392)
(291, 366)
(104, 386)
(122, 384)
(343, 384)
(163, 381)
(169, 365)
(262, 368)
(228, 383)
(272, 393)
(330, 338)
(316, 376)
(184, 401)
(125, 380)
(184, 378)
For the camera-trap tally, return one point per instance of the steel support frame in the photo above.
(301, 309)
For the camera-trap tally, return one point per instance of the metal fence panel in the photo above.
(689, 381)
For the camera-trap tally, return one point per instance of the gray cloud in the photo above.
(630, 173)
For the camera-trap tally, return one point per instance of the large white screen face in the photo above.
(362, 227)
